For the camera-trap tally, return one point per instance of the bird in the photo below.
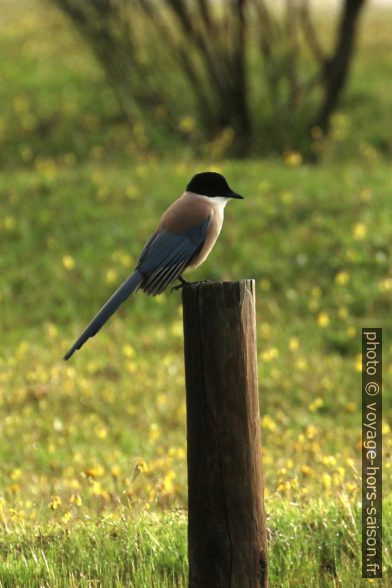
(183, 239)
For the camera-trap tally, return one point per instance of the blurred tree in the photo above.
(304, 99)
(212, 45)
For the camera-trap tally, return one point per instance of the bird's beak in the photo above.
(234, 195)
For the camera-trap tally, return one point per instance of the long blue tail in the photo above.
(119, 296)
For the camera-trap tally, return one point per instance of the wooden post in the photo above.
(227, 542)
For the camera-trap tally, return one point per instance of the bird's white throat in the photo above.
(219, 201)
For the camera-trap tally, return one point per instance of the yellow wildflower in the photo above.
(268, 423)
(270, 354)
(292, 158)
(140, 466)
(316, 404)
(187, 124)
(55, 502)
(342, 278)
(94, 471)
(76, 499)
(359, 231)
(68, 262)
(111, 276)
(323, 320)
(66, 517)
(311, 432)
(326, 480)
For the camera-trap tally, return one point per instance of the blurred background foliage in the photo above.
(82, 185)
(278, 91)
(248, 65)
(82, 188)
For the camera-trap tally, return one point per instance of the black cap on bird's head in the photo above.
(211, 184)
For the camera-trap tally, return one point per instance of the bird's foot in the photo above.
(186, 283)
(181, 285)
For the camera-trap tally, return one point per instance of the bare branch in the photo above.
(204, 44)
(267, 28)
(179, 52)
(293, 53)
(310, 33)
(205, 14)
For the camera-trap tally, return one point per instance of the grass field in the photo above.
(92, 452)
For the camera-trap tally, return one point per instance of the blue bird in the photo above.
(183, 239)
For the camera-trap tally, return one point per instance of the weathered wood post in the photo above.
(227, 542)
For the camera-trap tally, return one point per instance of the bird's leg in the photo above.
(181, 285)
(186, 283)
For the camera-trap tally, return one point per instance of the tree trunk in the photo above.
(336, 68)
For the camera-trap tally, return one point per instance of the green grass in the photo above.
(315, 546)
(93, 475)
(144, 553)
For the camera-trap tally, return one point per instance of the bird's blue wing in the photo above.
(166, 255)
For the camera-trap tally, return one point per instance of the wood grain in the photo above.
(226, 530)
